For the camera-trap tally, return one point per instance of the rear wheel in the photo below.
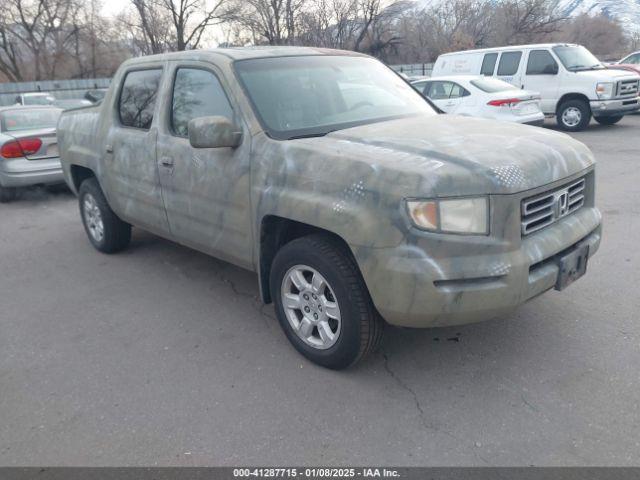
(574, 115)
(322, 302)
(610, 120)
(104, 228)
(7, 194)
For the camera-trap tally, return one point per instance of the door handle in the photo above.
(108, 148)
(166, 162)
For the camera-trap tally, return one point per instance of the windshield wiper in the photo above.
(308, 135)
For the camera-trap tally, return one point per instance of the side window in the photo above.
(488, 64)
(457, 91)
(138, 98)
(509, 62)
(541, 63)
(196, 93)
(440, 90)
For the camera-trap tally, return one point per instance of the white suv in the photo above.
(572, 83)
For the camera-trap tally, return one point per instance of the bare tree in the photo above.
(603, 36)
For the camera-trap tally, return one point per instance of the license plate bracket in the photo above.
(572, 266)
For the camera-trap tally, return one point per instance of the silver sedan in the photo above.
(28, 148)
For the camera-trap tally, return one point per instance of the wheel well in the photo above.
(275, 232)
(79, 175)
(572, 96)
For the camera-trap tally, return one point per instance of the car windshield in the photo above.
(492, 85)
(577, 58)
(28, 119)
(313, 95)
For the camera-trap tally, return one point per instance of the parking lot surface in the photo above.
(163, 356)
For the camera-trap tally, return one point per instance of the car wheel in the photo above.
(574, 115)
(105, 230)
(7, 194)
(611, 120)
(322, 302)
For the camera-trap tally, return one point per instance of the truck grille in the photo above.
(627, 88)
(542, 210)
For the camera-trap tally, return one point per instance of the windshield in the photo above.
(492, 85)
(28, 119)
(577, 58)
(314, 95)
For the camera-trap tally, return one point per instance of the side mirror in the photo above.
(214, 132)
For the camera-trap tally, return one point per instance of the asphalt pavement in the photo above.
(163, 356)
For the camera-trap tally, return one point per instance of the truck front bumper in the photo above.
(433, 279)
(608, 108)
(23, 173)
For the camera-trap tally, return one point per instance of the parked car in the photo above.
(632, 59)
(630, 63)
(35, 98)
(573, 84)
(351, 210)
(478, 96)
(96, 95)
(69, 103)
(28, 148)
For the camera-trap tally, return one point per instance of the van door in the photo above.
(205, 190)
(509, 68)
(130, 175)
(541, 75)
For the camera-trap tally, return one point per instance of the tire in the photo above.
(106, 232)
(573, 115)
(8, 194)
(358, 330)
(610, 120)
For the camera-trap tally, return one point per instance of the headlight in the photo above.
(604, 90)
(455, 215)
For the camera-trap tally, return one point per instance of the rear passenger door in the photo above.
(509, 67)
(446, 95)
(130, 175)
(206, 190)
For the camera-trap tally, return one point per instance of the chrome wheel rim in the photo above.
(311, 307)
(93, 218)
(571, 116)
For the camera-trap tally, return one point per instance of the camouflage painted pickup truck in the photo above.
(354, 200)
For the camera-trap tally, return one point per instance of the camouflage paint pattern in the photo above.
(352, 183)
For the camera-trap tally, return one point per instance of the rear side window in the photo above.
(509, 62)
(488, 64)
(196, 93)
(541, 63)
(458, 91)
(438, 90)
(138, 98)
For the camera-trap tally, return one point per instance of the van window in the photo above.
(509, 62)
(488, 64)
(138, 98)
(196, 93)
(541, 63)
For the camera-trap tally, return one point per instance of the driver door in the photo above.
(205, 190)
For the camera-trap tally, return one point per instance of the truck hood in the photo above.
(607, 75)
(454, 155)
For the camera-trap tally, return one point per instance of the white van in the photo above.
(572, 83)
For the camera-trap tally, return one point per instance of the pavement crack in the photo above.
(406, 387)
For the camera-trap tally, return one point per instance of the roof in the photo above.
(454, 78)
(511, 47)
(242, 53)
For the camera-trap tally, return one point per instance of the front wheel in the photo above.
(106, 232)
(322, 303)
(610, 120)
(7, 194)
(574, 115)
